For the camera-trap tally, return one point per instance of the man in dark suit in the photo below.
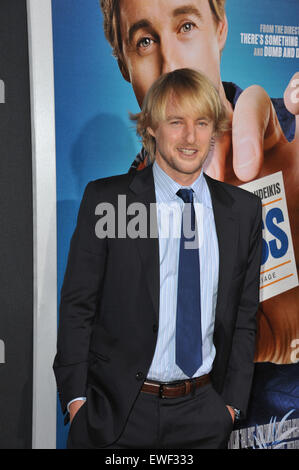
(157, 332)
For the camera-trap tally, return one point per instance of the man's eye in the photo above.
(144, 42)
(187, 27)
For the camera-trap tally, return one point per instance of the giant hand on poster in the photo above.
(279, 314)
(260, 148)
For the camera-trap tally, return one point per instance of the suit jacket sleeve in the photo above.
(240, 369)
(79, 297)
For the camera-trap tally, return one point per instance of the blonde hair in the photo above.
(192, 91)
(111, 22)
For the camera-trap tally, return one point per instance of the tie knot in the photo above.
(186, 195)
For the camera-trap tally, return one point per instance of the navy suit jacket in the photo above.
(109, 312)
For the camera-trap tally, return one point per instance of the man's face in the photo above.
(182, 142)
(159, 36)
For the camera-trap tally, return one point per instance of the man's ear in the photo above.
(213, 140)
(124, 71)
(222, 30)
(151, 132)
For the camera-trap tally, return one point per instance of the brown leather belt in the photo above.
(174, 389)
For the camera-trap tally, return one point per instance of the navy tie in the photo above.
(188, 320)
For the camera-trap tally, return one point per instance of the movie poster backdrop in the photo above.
(95, 138)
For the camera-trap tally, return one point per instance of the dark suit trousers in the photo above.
(198, 421)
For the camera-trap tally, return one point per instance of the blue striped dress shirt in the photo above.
(169, 212)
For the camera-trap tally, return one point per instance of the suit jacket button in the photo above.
(139, 376)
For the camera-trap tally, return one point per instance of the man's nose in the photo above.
(190, 133)
(169, 55)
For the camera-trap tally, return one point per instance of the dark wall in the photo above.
(16, 231)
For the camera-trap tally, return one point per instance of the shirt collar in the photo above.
(167, 187)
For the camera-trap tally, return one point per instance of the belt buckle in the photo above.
(161, 391)
(170, 384)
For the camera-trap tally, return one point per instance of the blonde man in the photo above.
(156, 337)
(199, 95)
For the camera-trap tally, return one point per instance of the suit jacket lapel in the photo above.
(227, 234)
(143, 191)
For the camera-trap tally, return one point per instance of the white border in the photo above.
(44, 222)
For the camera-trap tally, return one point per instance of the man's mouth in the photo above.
(186, 151)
